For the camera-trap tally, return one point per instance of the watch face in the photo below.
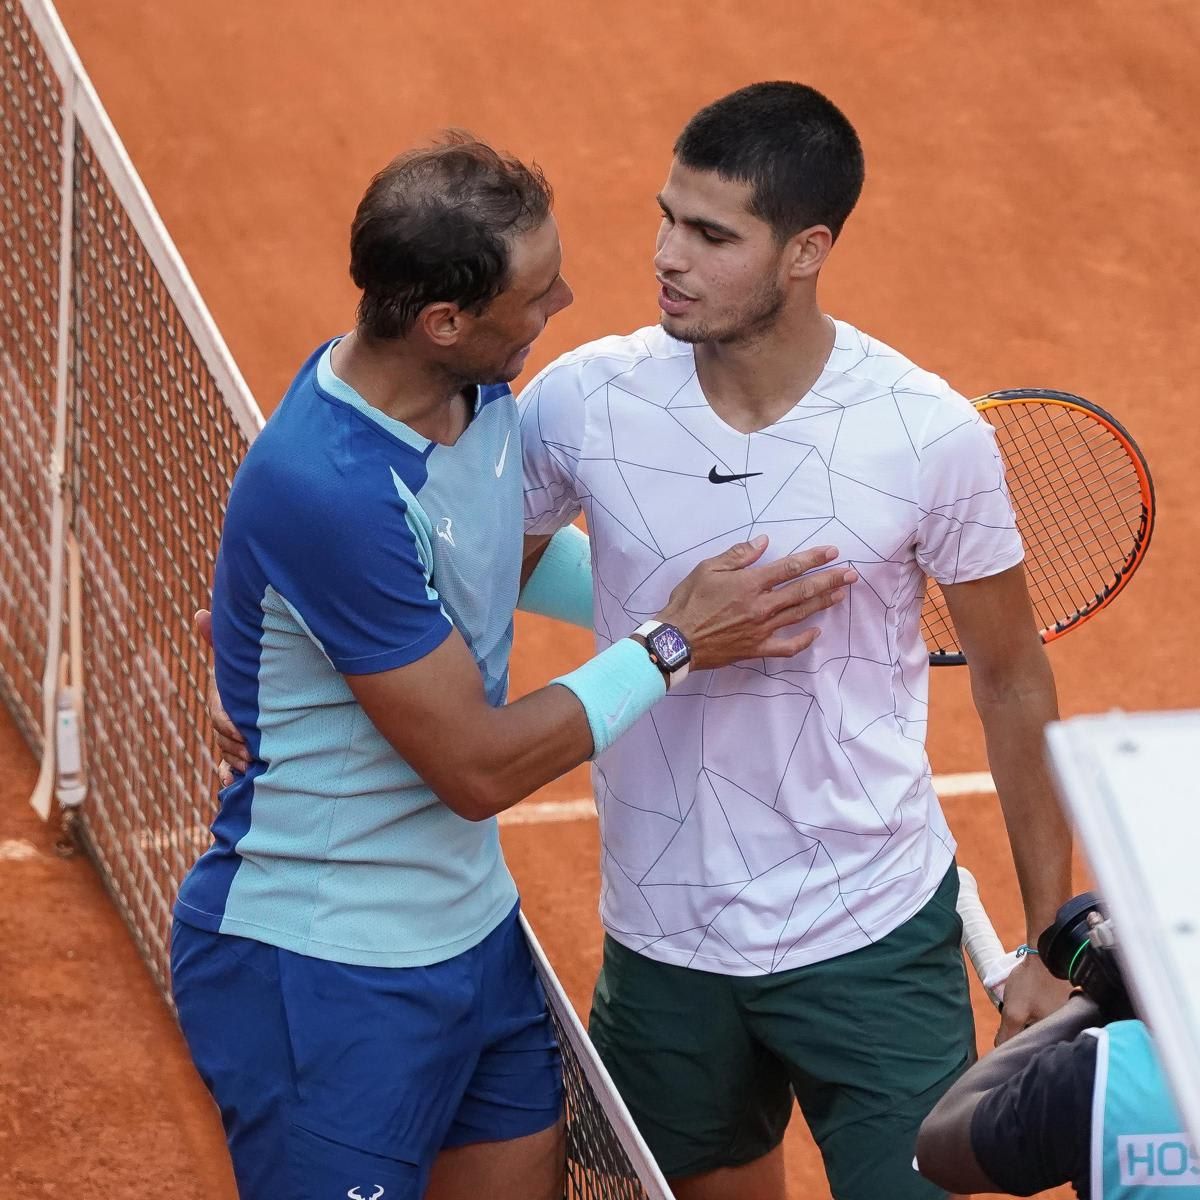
(668, 644)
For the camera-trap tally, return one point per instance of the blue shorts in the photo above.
(332, 1077)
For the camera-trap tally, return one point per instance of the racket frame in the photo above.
(1009, 397)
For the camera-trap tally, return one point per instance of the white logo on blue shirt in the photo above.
(443, 530)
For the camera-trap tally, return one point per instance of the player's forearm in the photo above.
(517, 749)
(1063, 1025)
(480, 759)
(1014, 710)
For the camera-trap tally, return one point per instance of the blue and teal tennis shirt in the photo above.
(353, 545)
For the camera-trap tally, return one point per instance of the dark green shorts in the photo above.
(866, 1042)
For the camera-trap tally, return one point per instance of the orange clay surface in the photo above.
(1028, 220)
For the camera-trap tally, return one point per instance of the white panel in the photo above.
(1132, 788)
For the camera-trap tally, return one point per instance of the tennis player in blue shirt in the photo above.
(347, 963)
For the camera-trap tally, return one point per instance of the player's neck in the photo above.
(751, 384)
(419, 394)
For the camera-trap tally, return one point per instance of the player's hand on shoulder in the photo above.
(235, 755)
(1030, 993)
(734, 607)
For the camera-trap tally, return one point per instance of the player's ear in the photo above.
(442, 323)
(805, 252)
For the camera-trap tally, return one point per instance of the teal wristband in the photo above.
(1025, 948)
(561, 585)
(615, 688)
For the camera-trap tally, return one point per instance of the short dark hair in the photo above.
(792, 145)
(435, 225)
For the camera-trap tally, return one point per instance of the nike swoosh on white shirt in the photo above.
(503, 455)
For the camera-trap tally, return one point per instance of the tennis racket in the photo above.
(1084, 502)
(980, 943)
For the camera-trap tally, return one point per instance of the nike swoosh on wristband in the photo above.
(715, 477)
(503, 455)
(613, 717)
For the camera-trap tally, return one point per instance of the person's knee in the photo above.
(525, 1168)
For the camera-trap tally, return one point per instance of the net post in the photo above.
(44, 787)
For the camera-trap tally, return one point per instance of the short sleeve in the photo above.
(1034, 1131)
(347, 559)
(967, 529)
(552, 411)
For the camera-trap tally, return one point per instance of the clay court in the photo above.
(1028, 220)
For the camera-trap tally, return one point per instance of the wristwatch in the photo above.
(668, 650)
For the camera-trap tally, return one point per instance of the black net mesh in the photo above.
(31, 136)
(599, 1165)
(153, 451)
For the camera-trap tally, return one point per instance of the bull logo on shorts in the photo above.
(355, 1194)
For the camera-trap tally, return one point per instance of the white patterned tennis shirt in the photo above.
(772, 813)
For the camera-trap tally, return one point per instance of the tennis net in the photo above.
(125, 418)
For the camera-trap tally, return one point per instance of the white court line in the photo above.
(967, 783)
(550, 812)
(15, 850)
(970, 783)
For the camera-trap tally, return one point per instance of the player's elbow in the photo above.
(472, 794)
(929, 1157)
(939, 1157)
(466, 800)
(1024, 678)
(944, 1151)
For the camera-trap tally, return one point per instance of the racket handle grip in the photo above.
(980, 942)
